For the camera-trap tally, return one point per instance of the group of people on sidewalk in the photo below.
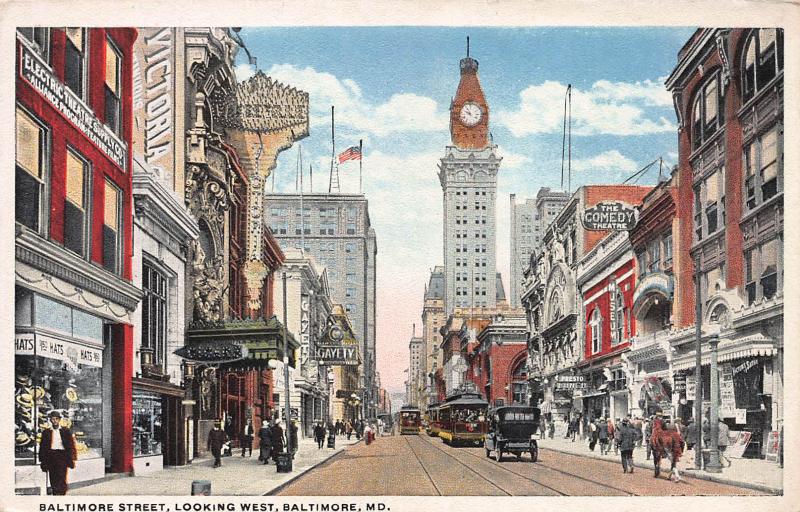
(662, 439)
(271, 440)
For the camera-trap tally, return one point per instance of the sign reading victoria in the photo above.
(41, 77)
(610, 216)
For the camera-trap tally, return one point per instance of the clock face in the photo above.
(470, 114)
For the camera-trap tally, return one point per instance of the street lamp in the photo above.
(714, 465)
(287, 410)
(698, 375)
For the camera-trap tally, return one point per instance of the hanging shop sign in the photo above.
(72, 354)
(41, 77)
(564, 382)
(679, 383)
(337, 355)
(608, 216)
(305, 338)
(691, 387)
(727, 404)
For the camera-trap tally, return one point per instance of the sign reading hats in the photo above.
(610, 216)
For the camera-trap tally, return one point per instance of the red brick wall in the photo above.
(503, 359)
(603, 301)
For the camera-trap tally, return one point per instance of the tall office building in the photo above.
(468, 176)
(529, 221)
(336, 230)
(415, 367)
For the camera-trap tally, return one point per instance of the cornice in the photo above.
(153, 201)
(704, 44)
(32, 249)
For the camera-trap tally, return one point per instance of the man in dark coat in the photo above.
(216, 438)
(293, 435)
(319, 435)
(277, 441)
(57, 453)
(247, 438)
(264, 442)
(626, 437)
(602, 435)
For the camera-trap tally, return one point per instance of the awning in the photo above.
(753, 345)
(592, 394)
(239, 344)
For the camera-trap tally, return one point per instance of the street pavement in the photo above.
(425, 466)
(758, 474)
(238, 476)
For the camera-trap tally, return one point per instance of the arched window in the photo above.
(763, 60)
(597, 332)
(708, 112)
(619, 318)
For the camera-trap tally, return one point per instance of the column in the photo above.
(714, 465)
(122, 398)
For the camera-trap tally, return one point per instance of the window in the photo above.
(112, 214)
(709, 204)
(763, 60)
(707, 112)
(39, 37)
(769, 269)
(113, 88)
(77, 199)
(75, 60)
(279, 226)
(30, 151)
(617, 317)
(596, 325)
(302, 223)
(698, 215)
(327, 221)
(654, 256)
(763, 162)
(668, 251)
(154, 312)
(351, 277)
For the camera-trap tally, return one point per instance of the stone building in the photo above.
(529, 220)
(336, 230)
(468, 176)
(432, 320)
(416, 375)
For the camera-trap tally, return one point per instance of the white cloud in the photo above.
(404, 112)
(609, 161)
(606, 108)
(244, 71)
(512, 160)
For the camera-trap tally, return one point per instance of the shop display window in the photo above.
(44, 384)
(147, 421)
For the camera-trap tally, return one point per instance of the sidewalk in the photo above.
(238, 476)
(756, 474)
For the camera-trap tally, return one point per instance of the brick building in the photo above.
(74, 298)
(498, 361)
(728, 92)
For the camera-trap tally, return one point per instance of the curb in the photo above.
(282, 485)
(689, 473)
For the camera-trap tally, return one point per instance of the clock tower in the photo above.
(468, 175)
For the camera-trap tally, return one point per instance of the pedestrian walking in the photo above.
(602, 435)
(612, 435)
(277, 440)
(593, 435)
(542, 427)
(247, 438)
(348, 428)
(648, 436)
(691, 434)
(216, 439)
(264, 442)
(657, 445)
(626, 439)
(368, 434)
(637, 425)
(723, 440)
(575, 426)
(230, 433)
(57, 453)
(293, 435)
(319, 435)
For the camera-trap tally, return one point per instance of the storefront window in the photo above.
(147, 417)
(44, 384)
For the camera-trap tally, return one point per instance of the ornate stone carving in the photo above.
(722, 50)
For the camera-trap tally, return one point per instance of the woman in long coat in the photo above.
(264, 442)
(277, 441)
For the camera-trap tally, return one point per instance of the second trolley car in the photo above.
(410, 420)
(463, 419)
(434, 426)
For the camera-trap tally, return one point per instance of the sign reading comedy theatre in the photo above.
(614, 216)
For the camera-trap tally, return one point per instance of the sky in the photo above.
(392, 87)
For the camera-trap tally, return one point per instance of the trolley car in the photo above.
(410, 420)
(434, 426)
(463, 419)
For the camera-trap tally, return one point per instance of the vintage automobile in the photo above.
(511, 430)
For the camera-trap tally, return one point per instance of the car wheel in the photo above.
(498, 455)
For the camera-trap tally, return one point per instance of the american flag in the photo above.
(351, 153)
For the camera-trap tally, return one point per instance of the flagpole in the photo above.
(311, 177)
(360, 160)
(302, 210)
(333, 152)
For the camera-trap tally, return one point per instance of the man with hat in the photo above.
(57, 453)
(216, 438)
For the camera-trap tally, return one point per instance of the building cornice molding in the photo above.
(53, 260)
(153, 201)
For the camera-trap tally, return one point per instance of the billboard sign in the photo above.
(610, 216)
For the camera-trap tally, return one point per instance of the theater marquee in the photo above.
(608, 216)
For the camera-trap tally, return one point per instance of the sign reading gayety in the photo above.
(333, 350)
(608, 216)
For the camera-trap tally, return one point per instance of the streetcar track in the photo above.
(466, 466)
(526, 477)
(438, 491)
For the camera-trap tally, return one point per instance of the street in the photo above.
(425, 466)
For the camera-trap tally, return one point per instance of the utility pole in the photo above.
(698, 374)
(287, 410)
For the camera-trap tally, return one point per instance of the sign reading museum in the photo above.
(610, 217)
